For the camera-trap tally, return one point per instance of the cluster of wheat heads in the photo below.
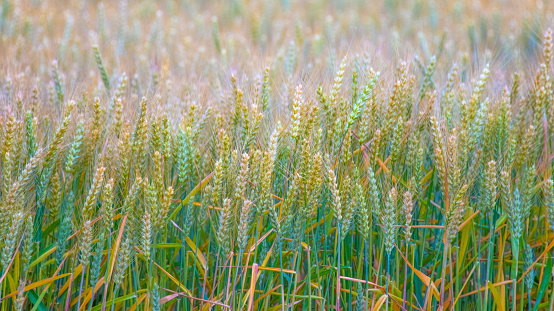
(149, 160)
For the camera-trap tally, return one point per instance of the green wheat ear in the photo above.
(100, 64)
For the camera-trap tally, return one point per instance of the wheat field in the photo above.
(276, 155)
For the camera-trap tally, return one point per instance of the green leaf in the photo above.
(117, 300)
(36, 300)
(544, 282)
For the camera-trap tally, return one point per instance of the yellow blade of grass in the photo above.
(253, 247)
(467, 221)
(501, 246)
(277, 270)
(381, 288)
(116, 248)
(11, 283)
(138, 302)
(464, 238)
(269, 292)
(258, 267)
(39, 283)
(463, 286)
(173, 279)
(183, 288)
(316, 286)
(426, 178)
(380, 303)
(174, 295)
(198, 253)
(250, 293)
(42, 257)
(117, 243)
(191, 194)
(483, 288)
(77, 272)
(84, 304)
(424, 278)
(16, 265)
(383, 165)
(192, 245)
(315, 225)
(428, 226)
(118, 300)
(201, 271)
(500, 274)
(497, 298)
(48, 282)
(78, 231)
